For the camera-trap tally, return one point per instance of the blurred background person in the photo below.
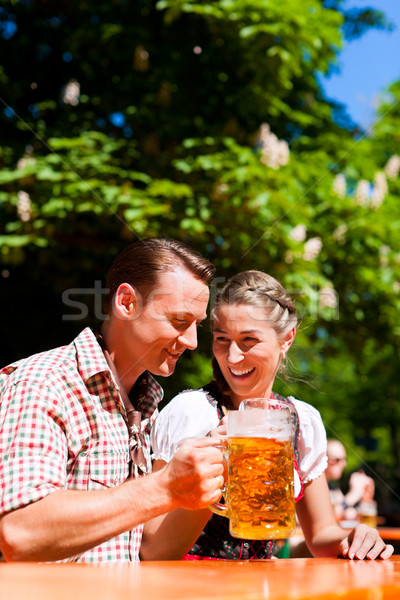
(360, 497)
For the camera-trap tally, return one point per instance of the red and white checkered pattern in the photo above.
(63, 425)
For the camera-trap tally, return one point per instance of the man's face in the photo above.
(165, 326)
(336, 460)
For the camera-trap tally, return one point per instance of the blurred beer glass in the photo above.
(368, 513)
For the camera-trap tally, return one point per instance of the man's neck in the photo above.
(126, 373)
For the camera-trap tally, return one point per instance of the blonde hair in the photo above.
(258, 289)
(255, 288)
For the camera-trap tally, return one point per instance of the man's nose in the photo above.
(189, 337)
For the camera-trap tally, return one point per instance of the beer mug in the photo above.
(259, 494)
(368, 513)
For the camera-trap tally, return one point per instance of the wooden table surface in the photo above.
(389, 533)
(288, 579)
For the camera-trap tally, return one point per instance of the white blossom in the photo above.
(383, 261)
(396, 286)
(24, 161)
(340, 233)
(71, 93)
(362, 192)
(328, 297)
(288, 257)
(380, 189)
(24, 206)
(275, 153)
(312, 248)
(220, 189)
(298, 233)
(384, 251)
(339, 185)
(392, 167)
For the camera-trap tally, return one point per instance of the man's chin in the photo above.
(165, 370)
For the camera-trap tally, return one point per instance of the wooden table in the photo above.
(289, 579)
(389, 534)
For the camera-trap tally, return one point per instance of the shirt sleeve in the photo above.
(191, 414)
(33, 446)
(312, 442)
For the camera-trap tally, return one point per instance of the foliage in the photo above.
(131, 119)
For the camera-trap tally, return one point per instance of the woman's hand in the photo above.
(219, 431)
(365, 542)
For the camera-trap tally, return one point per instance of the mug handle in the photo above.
(221, 509)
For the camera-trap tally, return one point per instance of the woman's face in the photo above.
(247, 349)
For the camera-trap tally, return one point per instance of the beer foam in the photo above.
(255, 422)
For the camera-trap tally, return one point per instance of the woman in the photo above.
(254, 324)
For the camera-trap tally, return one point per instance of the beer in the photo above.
(260, 488)
(259, 496)
(367, 513)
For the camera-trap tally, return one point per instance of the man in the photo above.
(361, 487)
(75, 422)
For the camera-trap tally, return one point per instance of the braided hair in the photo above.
(258, 289)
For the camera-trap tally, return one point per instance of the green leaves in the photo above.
(205, 121)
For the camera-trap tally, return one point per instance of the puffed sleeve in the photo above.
(312, 442)
(191, 414)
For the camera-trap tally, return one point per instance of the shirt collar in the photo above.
(90, 357)
(91, 361)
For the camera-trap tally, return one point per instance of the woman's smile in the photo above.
(242, 373)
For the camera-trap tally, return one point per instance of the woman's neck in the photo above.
(236, 400)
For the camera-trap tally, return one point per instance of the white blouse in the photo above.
(193, 413)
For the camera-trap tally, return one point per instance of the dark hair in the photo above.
(141, 263)
(255, 288)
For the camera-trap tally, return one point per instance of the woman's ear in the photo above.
(288, 341)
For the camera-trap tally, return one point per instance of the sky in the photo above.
(367, 65)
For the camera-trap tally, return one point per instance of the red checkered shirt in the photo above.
(63, 426)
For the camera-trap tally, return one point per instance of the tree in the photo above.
(203, 121)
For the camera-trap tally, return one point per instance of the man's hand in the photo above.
(361, 487)
(194, 476)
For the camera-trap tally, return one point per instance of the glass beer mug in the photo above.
(259, 494)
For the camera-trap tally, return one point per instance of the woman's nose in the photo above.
(235, 354)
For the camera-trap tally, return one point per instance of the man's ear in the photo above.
(288, 341)
(127, 302)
